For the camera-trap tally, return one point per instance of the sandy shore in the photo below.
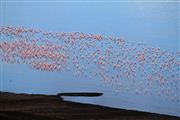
(44, 107)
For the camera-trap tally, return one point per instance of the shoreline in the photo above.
(20, 106)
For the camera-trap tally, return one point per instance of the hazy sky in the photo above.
(153, 23)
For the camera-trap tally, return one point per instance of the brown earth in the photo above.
(44, 107)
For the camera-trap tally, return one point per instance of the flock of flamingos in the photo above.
(120, 64)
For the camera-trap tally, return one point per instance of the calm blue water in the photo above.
(153, 23)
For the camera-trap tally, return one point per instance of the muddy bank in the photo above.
(47, 107)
